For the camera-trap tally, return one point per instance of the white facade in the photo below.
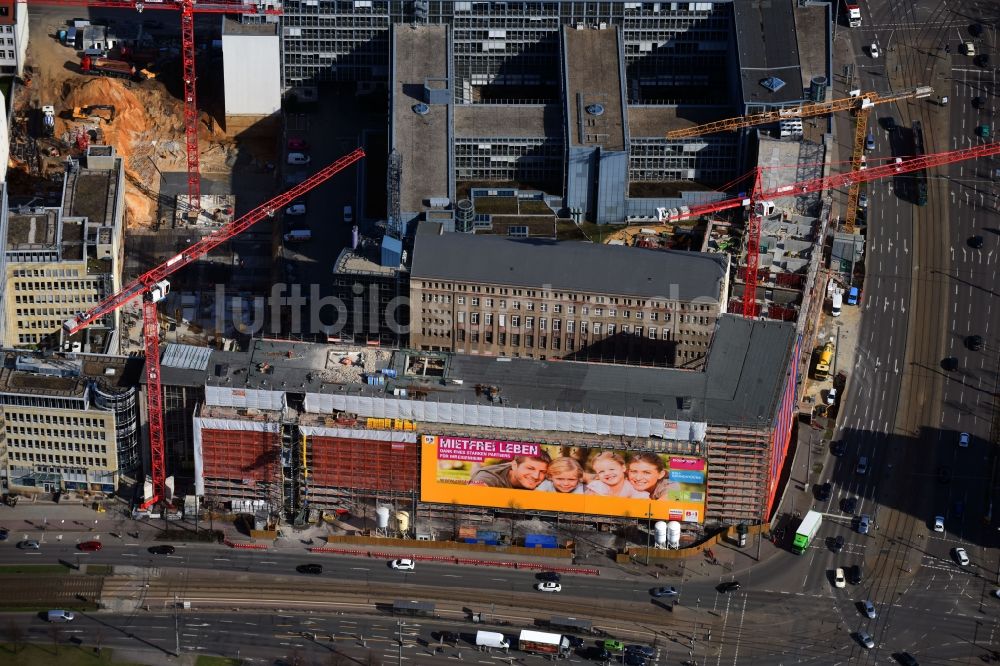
(251, 66)
(4, 151)
(14, 42)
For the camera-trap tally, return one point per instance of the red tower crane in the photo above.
(759, 203)
(152, 286)
(187, 8)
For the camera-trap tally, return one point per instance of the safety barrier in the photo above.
(246, 545)
(531, 566)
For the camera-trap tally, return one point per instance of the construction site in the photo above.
(132, 100)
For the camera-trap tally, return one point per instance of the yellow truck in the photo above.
(823, 361)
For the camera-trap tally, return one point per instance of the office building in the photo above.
(60, 261)
(69, 421)
(570, 300)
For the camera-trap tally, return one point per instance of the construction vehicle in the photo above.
(118, 69)
(823, 361)
(152, 286)
(852, 13)
(48, 120)
(86, 112)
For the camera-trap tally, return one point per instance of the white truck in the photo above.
(298, 236)
(493, 639)
(542, 642)
(838, 301)
(48, 120)
(852, 13)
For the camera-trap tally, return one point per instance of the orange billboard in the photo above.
(570, 479)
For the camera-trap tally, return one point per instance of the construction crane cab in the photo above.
(159, 291)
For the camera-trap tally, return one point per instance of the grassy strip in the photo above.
(47, 655)
(34, 569)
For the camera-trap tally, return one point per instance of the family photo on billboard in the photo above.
(572, 470)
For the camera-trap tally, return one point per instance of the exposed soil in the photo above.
(147, 132)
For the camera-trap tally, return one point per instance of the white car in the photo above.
(402, 565)
(548, 586)
(873, 49)
(898, 164)
(939, 523)
(298, 158)
(296, 209)
(838, 578)
(961, 556)
(963, 440)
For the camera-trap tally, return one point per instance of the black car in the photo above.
(162, 550)
(976, 29)
(838, 543)
(976, 242)
(634, 659)
(950, 364)
(854, 574)
(549, 576)
(315, 569)
(838, 447)
(4, 533)
(889, 123)
(849, 504)
(643, 650)
(731, 586)
(824, 492)
(974, 342)
(597, 653)
(663, 592)
(983, 60)
(907, 659)
(446, 636)
(574, 641)
(977, 102)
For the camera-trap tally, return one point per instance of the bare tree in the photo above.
(15, 636)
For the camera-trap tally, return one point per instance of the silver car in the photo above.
(866, 639)
(29, 544)
(869, 609)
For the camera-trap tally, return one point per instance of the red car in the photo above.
(89, 546)
(297, 144)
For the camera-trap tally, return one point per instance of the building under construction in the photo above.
(303, 427)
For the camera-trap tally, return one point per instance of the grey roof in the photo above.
(744, 376)
(767, 46)
(185, 356)
(585, 267)
(592, 74)
(474, 121)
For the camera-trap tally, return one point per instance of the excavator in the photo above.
(87, 112)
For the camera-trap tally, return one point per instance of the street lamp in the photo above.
(649, 528)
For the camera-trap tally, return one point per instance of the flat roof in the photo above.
(742, 380)
(65, 375)
(813, 38)
(419, 53)
(767, 46)
(91, 194)
(480, 120)
(655, 121)
(592, 70)
(568, 265)
(32, 230)
(359, 263)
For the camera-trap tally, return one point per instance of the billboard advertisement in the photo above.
(572, 479)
